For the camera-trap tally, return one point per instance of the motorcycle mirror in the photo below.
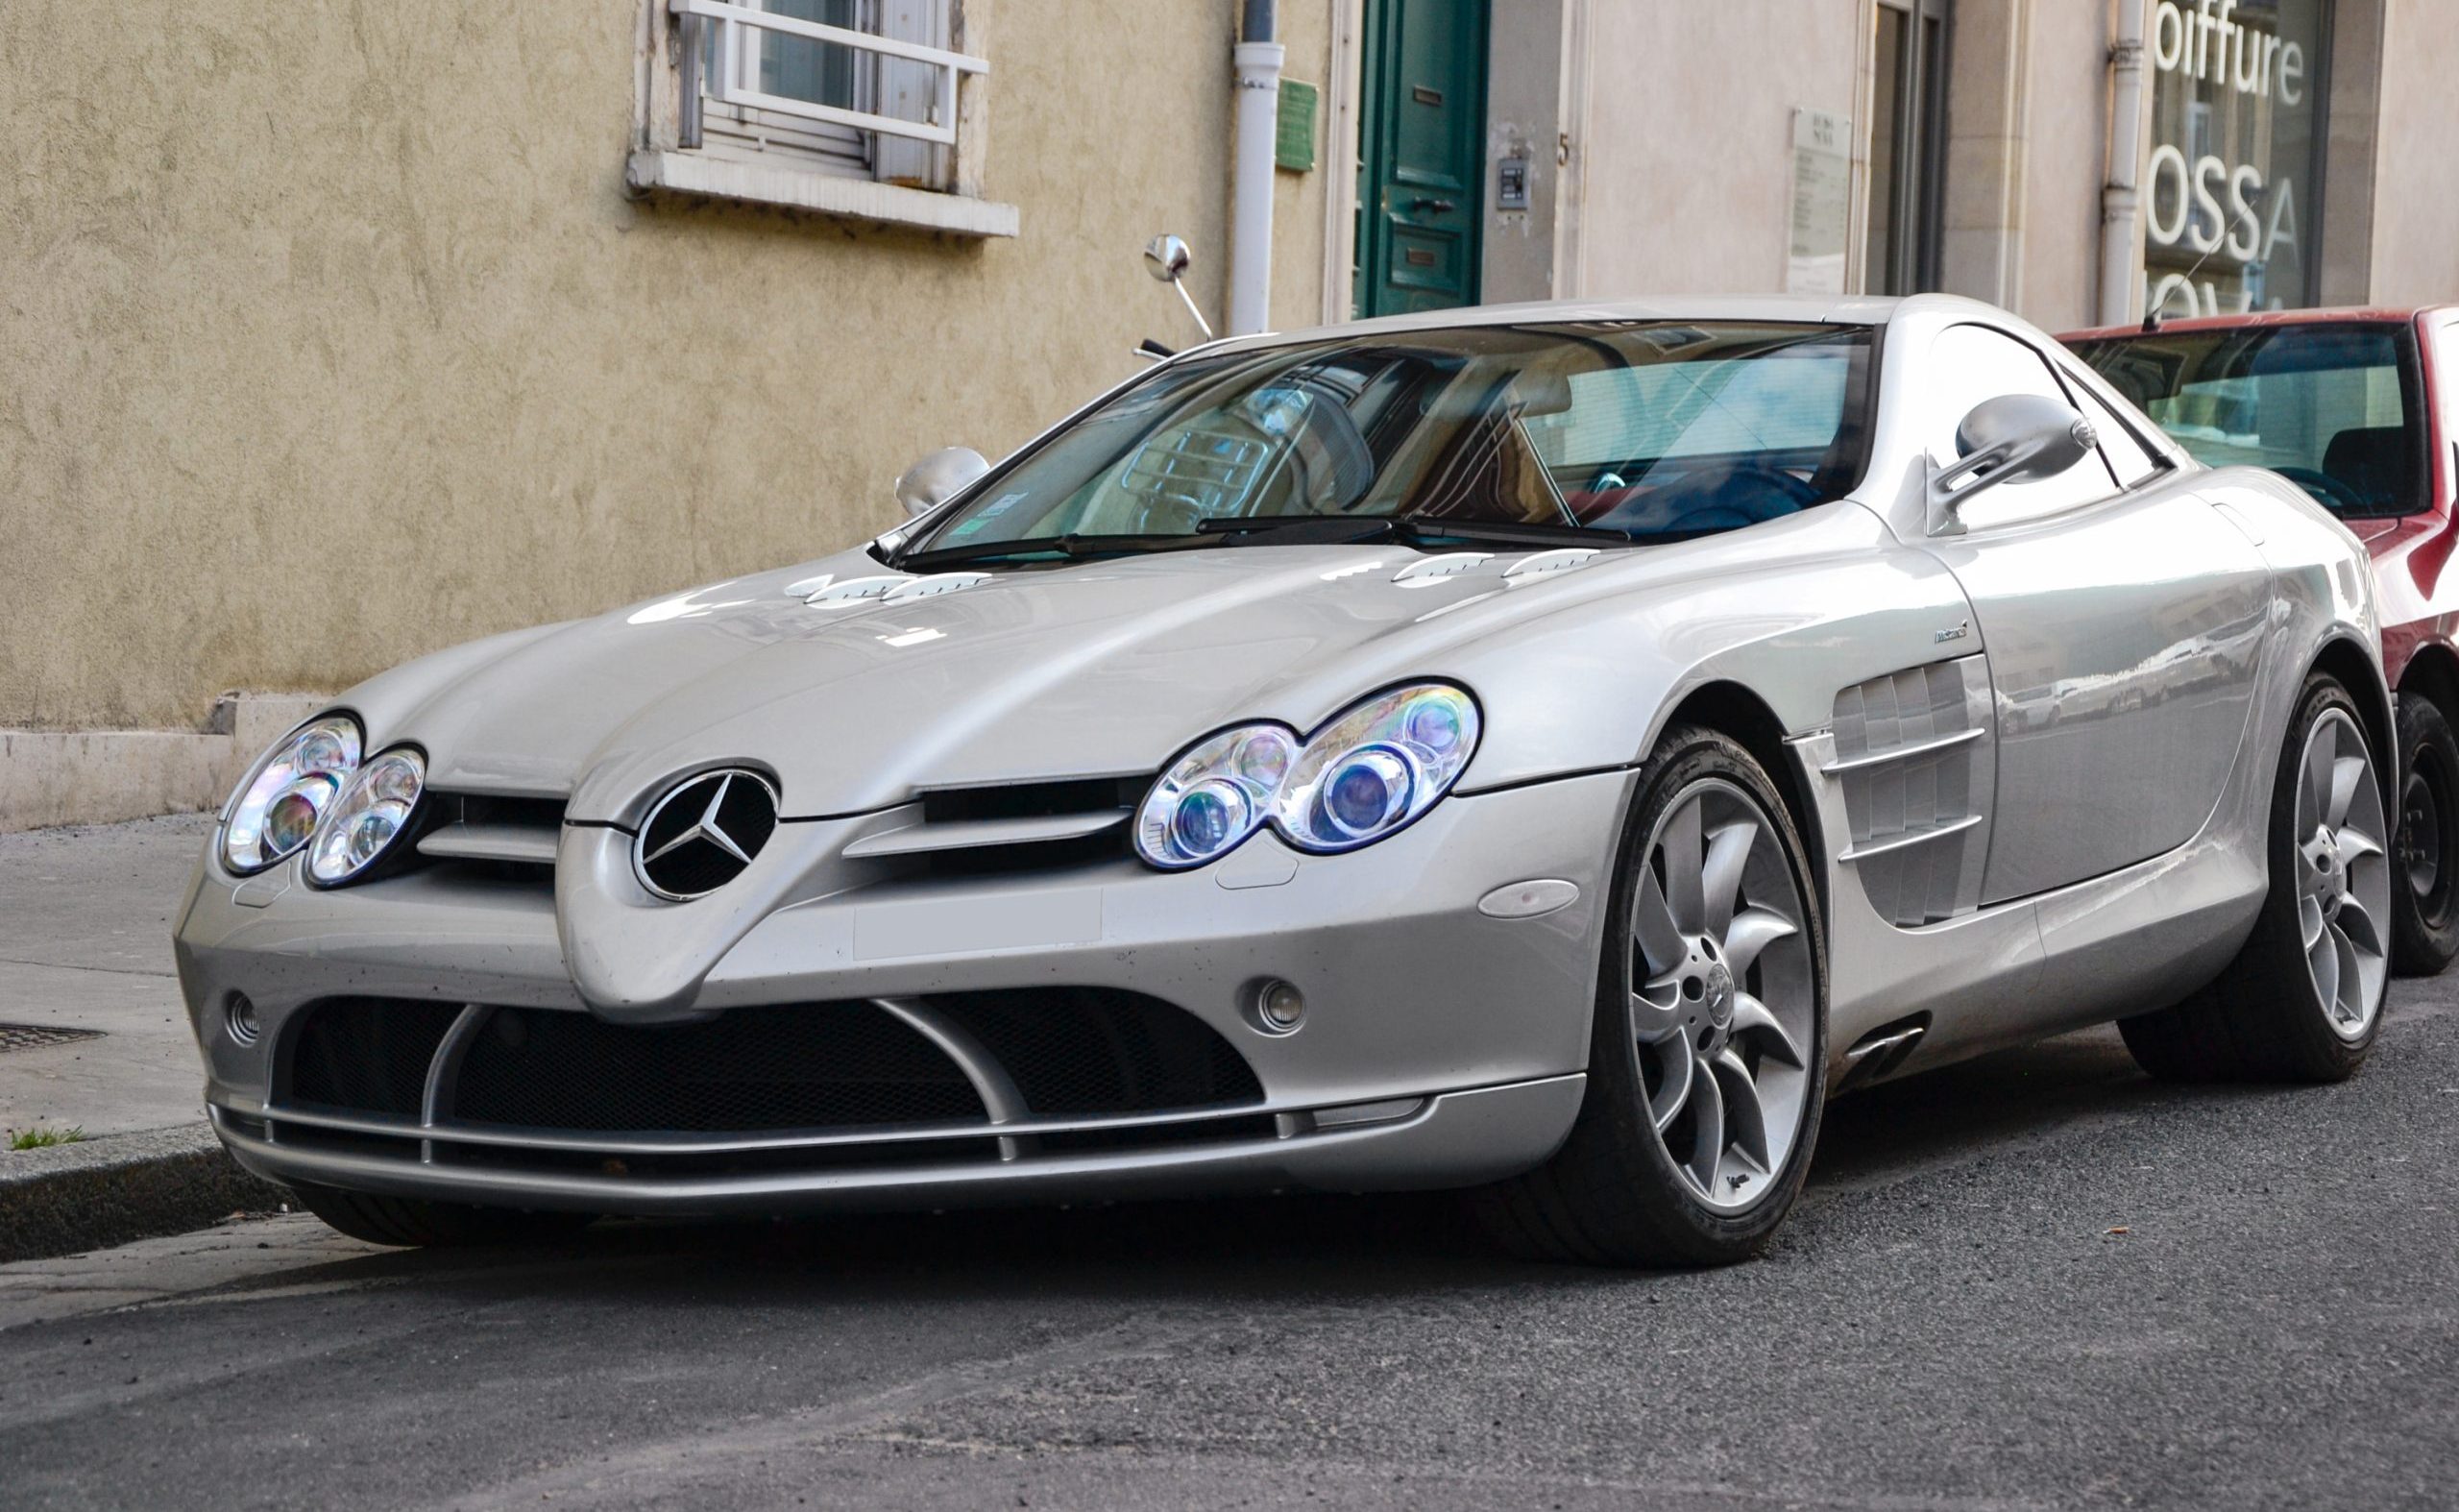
(1167, 256)
(938, 478)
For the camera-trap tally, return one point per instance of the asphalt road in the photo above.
(2038, 1280)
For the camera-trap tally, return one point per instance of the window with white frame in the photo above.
(864, 90)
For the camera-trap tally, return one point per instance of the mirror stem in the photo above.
(1188, 300)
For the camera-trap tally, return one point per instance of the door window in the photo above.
(1970, 364)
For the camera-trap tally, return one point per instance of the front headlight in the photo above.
(1213, 796)
(291, 788)
(1367, 774)
(371, 814)
(1377, 767)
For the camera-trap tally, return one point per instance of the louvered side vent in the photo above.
(1916, 760)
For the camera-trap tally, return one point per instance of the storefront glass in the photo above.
(2235, 194)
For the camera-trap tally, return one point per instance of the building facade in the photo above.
(334, 342)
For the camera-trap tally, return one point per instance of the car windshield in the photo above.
(2327, 405)
(1611, 431)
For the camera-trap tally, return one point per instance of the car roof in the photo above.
(2345, 315)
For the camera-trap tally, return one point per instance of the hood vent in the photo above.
(894, 588)
(1435, 569)
(855, 590)
(1544, 564)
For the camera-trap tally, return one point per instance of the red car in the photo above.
(2360, 407)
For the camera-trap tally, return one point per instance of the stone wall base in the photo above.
(101, 777)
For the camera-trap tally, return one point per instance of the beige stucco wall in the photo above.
(2416, 191)
(331, 342)
(2066, 162)
(1689, 133)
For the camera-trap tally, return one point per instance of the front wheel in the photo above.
(1707, 1065)
(2302, 1001)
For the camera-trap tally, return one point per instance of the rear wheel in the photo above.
(1707, 1067)
(412, 1221)
(2302, 1001)
(2425, 891)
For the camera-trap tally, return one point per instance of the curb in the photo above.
(119, 1188)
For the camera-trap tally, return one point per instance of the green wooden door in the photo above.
(1421, 156)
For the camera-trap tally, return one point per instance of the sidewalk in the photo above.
(86, 946)
(85, 943)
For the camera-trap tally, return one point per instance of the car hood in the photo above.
(1093, 669)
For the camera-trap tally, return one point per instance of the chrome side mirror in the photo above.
(2014, 438)
(938, 478)
(1166, 258)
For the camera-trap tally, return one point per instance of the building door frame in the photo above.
(1913, 145)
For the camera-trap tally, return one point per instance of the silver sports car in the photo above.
(1547, 751)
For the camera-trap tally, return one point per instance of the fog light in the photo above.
(239, 1017)
(1280, 1008)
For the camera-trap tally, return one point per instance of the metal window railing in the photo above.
(727, 84)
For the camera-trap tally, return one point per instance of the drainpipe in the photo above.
(2122, 197)
(1259, 62)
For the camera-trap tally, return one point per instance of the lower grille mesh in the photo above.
(368, 1054)
(821, 1065)
(1071, 1052)
(1086, 1050)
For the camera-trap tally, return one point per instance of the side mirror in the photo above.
(938, 478)
(1166, 258)
(2014, 438)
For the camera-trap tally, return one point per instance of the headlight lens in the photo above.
(1213, 796)
(288, 793)
(1370, 771)
(1377, 767)
(371, 814)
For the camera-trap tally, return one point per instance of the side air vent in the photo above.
(1006, 828)
(509, 837)
(1916, 758)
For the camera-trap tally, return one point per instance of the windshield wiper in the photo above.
(1295, 530)
(1417, 528)
(1071, 548)
(1265, 530)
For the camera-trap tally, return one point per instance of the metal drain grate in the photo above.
(34, 1037)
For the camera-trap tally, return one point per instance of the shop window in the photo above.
(1908, 147)
(2234, 188)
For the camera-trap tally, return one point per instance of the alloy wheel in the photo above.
(2343, 874)
(1722, 994)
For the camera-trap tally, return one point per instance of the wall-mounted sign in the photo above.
(1293, 144)
(1822, 209)
(2234, 188)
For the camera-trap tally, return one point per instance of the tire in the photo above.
(2274, 1015)
(2424, 882)
(1741, 1006)
(416, 1222)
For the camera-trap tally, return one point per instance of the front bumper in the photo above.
(1441, 1046)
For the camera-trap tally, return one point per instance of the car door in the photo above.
(2121, 617)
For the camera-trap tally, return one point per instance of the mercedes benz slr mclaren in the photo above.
(1544, 750)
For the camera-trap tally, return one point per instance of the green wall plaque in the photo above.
(1294, 148)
